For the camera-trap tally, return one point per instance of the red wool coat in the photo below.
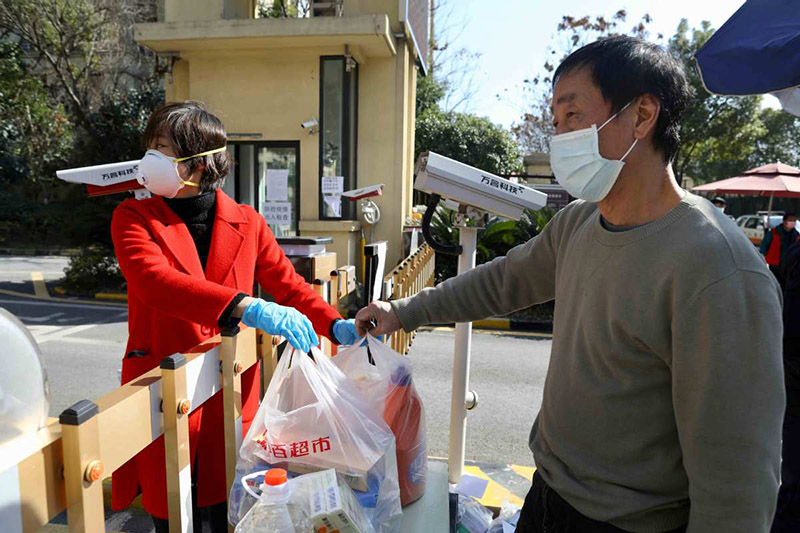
(173, 305)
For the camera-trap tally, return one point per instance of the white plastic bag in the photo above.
(472, 516)
(323, 496)
(312, 418)
(281, 508)
(333, 504)
(506, 520)
(384, 377)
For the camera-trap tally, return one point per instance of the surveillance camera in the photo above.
(473, 187)
(312, 124)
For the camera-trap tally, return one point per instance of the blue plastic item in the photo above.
(756, 51)
(345, 332)
(279, 320)
(369, 498)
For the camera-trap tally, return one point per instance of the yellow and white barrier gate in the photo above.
(409, 277)
(63, 464)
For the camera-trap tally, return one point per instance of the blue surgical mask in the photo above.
(578, 166)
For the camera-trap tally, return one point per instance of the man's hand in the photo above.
(379, 314)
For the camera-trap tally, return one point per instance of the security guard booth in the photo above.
(314, 106)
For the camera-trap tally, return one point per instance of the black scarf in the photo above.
(197, 212)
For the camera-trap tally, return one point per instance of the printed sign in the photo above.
(277, 185)
(294, 449)
(334, 203)
(277, 213)
(333, 185)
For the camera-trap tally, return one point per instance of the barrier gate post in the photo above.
(83, 471)
(232, 368)
(458, 400)
(175, 408)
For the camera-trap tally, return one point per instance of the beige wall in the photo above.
(384, 132)
(178, 90)
(273, 91)
(387, 7)
(184, 10)
(538, 164)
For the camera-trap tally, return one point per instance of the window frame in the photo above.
(753, 223)
(257, 178)
(350, 83)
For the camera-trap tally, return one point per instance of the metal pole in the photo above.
(458, 401)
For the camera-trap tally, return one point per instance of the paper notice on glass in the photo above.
(277, 185)
(334, 202)
(277, 213)
(333, 185)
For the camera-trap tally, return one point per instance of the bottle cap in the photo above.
(275, 477)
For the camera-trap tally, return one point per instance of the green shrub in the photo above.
(93, 270)
(70, 223)
(496, 238)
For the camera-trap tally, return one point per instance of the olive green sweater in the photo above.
(664, 398)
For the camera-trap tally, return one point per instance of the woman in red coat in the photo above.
(191, 255)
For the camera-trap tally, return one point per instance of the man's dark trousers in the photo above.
(545, 511)
(787, 516)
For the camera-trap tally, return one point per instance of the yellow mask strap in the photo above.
(190, 183)
(209, 152)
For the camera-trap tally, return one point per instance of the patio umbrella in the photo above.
(756, 51)
(773, 180)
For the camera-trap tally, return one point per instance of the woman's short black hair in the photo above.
(625, 68)
(192, 129)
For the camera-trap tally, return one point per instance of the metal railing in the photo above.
(409, 277)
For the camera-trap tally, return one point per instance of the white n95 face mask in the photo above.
(578, 166)
(159, 172)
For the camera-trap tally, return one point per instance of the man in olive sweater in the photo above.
(664, 396)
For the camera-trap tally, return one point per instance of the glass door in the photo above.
(279, 186)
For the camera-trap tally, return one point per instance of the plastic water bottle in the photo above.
(275, 511)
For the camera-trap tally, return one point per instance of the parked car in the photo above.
(753, 225)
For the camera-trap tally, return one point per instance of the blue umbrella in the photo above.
(756, 51)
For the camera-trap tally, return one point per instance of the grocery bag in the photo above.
(384, 377)
(323, 496)
(313, 418)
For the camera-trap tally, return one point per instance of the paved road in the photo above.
(82, 346)
(507, 372)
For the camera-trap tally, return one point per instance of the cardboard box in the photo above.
(332, 506)
(355, 482)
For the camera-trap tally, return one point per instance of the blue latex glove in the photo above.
(345, 332)
(279, 320)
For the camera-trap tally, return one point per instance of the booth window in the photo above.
(337, 136)
(266, 176)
